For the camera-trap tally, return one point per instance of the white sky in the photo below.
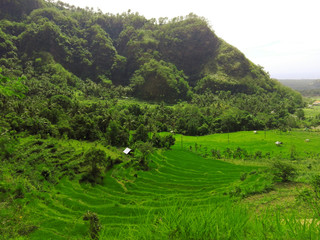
(283, 36)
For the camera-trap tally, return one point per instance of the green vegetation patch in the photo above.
(252, 145)
(177, 175)
(180, 194)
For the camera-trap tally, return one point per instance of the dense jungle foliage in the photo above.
(77, 64)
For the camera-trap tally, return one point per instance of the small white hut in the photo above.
(127, 151)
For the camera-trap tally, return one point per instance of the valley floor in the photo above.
(186, 194)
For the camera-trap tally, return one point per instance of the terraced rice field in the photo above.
(304, 143)
(177, 176)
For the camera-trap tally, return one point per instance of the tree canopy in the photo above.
(128, 50)
(75, 64)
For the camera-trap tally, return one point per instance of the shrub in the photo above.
(163, 142)
(243, 176)
(258, 155)
(95, 160)
(283, 171)
(156, 141)
(95, 226)
(239, 153)
(169, 141)
(227, 153)
(216, 153)
(141, 152)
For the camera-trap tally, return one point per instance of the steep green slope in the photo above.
(76, 56)
(127, 50)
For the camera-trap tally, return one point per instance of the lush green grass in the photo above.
(176, 176)
(294, 142)
(183, 196)
(300, 148)
(224, 220)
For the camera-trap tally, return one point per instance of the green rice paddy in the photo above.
(180, 180)
(304, 143)
(179, 176)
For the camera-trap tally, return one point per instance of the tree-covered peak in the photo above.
(159, 60)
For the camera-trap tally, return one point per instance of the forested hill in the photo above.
(69, 56)
(158, 59)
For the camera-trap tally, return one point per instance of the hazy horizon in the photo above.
(299, 79)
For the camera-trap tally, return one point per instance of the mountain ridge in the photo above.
(120, 49)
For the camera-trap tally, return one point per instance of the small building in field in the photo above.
(127, 151)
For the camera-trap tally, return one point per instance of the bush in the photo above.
(216, 153)
(163, 142)
(258, 155)
(95, 226)
(243, 176)
(283, 171)
(141, 152)
(169, 141)
(157, 141)
(96, 162)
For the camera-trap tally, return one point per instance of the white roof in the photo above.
(127, 150)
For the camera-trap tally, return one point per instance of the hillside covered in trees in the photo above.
(77, 86)
(65, 58)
